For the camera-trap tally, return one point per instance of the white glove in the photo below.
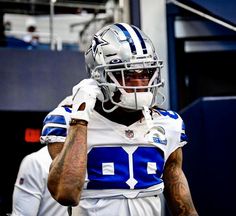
(85, 92)
(67, 101)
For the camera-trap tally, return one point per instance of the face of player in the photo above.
(139, 77)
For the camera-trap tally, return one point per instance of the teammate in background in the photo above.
(31, 36)
(121, 149)
(31, 196)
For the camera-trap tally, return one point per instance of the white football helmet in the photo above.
(117, 51)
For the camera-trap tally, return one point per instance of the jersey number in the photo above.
(114, 168)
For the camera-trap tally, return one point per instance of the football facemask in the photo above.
(122, 58)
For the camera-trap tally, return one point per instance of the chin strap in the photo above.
(109, 110)
(148, 117)
(69, 210)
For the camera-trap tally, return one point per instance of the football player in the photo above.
(30, 195)
(115, 151)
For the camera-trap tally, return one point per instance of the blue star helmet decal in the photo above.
(97, 40)
(122, 47)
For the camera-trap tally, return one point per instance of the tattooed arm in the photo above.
(177, 192)
(67, 171)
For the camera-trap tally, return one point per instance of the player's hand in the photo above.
(84, 97)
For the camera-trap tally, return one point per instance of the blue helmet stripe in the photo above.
(141, 40)
(129, 38)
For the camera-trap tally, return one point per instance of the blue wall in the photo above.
(37, 80)
(209, 158)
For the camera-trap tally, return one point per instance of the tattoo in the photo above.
(69, 166)
(177, 192)
(76, 150)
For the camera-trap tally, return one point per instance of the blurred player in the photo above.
(31, 196)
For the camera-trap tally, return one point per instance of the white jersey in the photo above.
(123, 161)
(31, 196)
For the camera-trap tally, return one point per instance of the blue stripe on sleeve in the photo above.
(54, 131)
(57, 119)
(67, 109)
(183, 137)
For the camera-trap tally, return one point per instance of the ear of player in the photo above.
(84, 98)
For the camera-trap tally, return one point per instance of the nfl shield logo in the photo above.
(21, 182)
(129, 133)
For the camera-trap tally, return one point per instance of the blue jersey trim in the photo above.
(57, 119)
(54, 131)
(67, 109)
